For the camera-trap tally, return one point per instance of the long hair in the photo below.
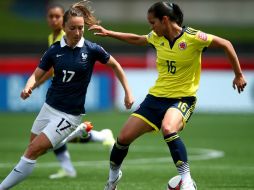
(171, 10)
(81, 9)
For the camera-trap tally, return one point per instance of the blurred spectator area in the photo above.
(23, 40)
(24, 29)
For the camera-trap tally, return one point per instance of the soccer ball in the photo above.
(175, 183)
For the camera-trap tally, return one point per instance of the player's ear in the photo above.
(165, 19)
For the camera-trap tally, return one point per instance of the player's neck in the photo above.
(173, 32)
(56, 32)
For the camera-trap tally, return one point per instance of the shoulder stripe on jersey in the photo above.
(191, 31)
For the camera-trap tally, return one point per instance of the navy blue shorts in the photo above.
(153, 109)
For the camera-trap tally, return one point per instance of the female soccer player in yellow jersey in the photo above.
(55, 13)
(171, 101)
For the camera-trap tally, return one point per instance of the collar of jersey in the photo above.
(79, 44)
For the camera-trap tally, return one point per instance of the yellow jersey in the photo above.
(178, 63)
(58, 38)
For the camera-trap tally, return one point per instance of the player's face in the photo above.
(156, 25)
(74, 30)
(55, 18)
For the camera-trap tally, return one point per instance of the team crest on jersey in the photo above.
(202, 36)
(182, 45)
(84, 56)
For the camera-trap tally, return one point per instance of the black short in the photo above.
(153, 109)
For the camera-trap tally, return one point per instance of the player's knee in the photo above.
(124, 138)
(33, 151)
(168, 129)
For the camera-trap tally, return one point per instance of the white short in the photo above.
(56, 125)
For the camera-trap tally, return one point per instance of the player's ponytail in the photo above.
(178, 14)
(171, 10)
(83, 9)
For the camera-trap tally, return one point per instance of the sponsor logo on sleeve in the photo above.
(202, 36)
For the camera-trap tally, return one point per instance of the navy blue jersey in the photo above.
(73, 69)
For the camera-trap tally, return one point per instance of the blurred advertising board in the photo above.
(215, 93)
(99, 96)
(105, 92)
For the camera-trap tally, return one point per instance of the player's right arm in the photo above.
(32, 83)
(49, 74)
(127, 37)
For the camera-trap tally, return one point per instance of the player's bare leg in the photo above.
(38, 146)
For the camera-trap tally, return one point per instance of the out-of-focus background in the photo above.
(23, 39)
(219, 136)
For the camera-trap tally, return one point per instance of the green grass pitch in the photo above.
(220, 147)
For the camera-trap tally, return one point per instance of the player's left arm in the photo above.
(119, 72)
(239, 81)
(32, 83)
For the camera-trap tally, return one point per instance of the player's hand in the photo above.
(26, 92)
(128, 101)
(239, 82)
(99, 30)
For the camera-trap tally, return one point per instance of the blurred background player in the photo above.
(171, 101)
(55, 13)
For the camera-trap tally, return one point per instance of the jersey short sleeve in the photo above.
(100, 54)
(203, 40)
(151, 37)
(46, 62)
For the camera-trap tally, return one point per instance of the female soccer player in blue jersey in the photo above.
(55, 13)
(171, 101)
(73, 59)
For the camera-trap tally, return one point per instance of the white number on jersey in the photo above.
(68, 75)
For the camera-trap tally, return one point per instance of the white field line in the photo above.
(194, 154)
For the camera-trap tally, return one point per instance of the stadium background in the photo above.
(23, 39)
(223, 121)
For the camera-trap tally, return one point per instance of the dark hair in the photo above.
(171, 10)
(81, 9)
(55, 5)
